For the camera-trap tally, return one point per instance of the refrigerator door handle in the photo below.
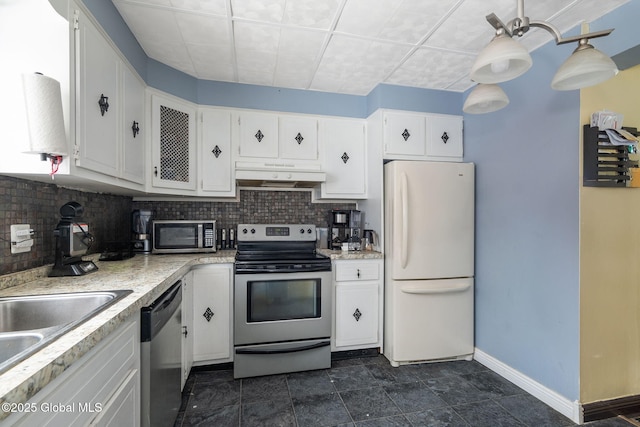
(459, 287)
(404, 197)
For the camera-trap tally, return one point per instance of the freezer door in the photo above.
(429, 219)
(428, 320)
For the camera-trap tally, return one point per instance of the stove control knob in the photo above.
(302, 231)
(309, 230)
(253, 231)
(244, 231)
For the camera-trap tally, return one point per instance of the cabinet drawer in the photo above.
(356, 270)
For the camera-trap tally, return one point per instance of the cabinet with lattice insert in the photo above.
(605, 164)
(173, 144)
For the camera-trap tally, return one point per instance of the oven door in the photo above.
(279, 307)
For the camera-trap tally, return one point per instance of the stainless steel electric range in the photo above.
(282, 320)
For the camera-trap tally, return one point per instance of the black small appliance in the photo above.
(72, 241)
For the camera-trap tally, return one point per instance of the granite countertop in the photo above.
(351, 254)
(148, 276)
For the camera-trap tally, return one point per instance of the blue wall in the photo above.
(527, 217)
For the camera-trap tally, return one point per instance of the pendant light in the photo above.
(587, 66)
(504, 59)
(485, 98)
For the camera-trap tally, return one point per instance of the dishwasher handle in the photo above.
(156, 315)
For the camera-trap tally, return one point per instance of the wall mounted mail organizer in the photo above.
(607, 164)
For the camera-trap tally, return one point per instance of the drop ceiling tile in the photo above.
(203, 29)
(377, 15)
(429, 68)
(146, 2)
(256, 67)
(259, 10)
(414, 19)
(212, 62)
(255, 37)
(218, 7)
(145, 23)
(298, 56)
(467, 29)
(311, 13)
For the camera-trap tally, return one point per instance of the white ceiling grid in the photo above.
(342, 46)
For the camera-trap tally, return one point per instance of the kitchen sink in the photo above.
(28, 323)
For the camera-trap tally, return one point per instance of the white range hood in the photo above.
(279, 174)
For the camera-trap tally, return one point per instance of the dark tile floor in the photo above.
(368, 392)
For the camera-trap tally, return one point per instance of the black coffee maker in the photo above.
(345, 228)
(72, 241)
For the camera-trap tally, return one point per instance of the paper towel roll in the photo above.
(43, 101)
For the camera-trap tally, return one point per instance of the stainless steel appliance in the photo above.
(141, 227)
(72, 241)
(161, 358)
(282, 300)
(429, 261)
(345, 228)
(183, 236)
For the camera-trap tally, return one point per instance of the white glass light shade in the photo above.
(587, 66)
(485, 99)
(501, 60)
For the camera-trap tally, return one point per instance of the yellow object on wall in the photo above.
(609, 262)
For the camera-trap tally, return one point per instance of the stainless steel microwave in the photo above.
(183, 236)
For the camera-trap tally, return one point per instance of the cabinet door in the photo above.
(216, 166)
(258, 135)
(173, 144)
(445, 136)
(343, 144)
(404, 134)
(123, 408)
(298, 138)
(187, 327)
(133, 127)
(211, 313)
(97, 82)
(356, 313)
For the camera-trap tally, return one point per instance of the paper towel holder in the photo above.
(45, 121)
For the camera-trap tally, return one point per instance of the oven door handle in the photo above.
(283, 350)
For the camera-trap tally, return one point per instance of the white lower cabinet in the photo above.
(212, 311)
(357, 304)
(187, 327)
(101, 389)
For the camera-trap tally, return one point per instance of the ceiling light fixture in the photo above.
(504, 59)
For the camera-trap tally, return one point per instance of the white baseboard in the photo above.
(568, 408)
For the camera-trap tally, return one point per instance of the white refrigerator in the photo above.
(429, 261)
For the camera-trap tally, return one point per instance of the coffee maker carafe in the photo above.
(141, 227)
(345, 229)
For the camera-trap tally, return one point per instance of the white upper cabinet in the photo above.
(298, 138)
(173, 144)
(266, 135)
(133, 129)
(98, 100)
(344, 158)
(421, 136)
(404, 134)
(445, 136)
(215, 159)
(109, 99)
(258, 135)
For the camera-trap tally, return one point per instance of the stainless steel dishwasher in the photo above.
(161, 358)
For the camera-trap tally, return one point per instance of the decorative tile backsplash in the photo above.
(109, 216)
(255, 206)
(38, 204)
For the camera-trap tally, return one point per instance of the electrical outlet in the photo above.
(21, 240)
